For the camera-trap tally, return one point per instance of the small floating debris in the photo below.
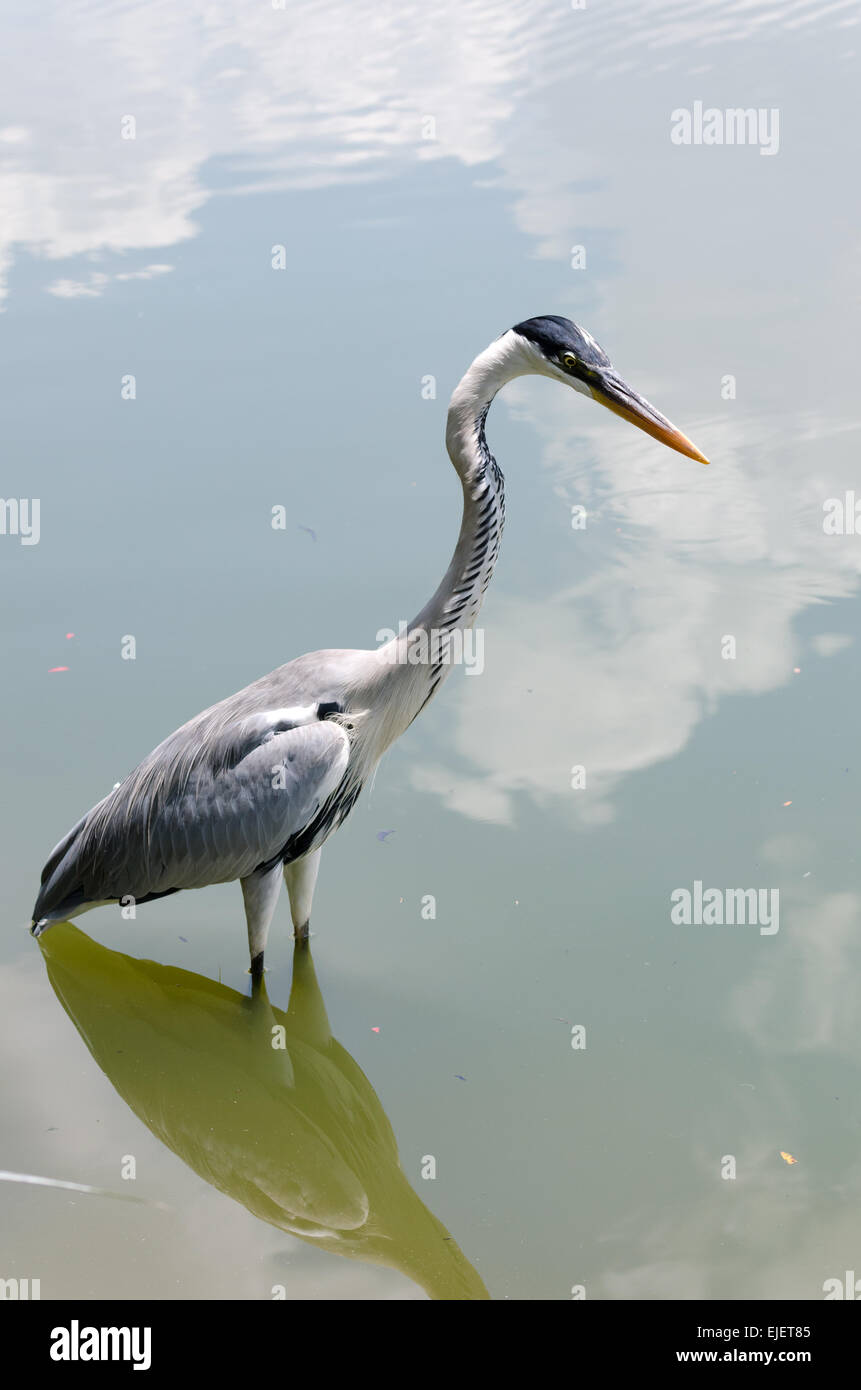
(787, 1158)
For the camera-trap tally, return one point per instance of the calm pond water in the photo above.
(281, 222)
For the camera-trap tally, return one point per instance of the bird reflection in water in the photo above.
(265, 1105)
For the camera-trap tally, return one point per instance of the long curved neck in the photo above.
(421, 656)
(456, 603)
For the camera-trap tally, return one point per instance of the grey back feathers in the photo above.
(220, 797)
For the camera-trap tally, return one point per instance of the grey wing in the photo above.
(194, 814)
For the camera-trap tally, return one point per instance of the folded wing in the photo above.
(208, 806)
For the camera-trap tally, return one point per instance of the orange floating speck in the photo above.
(57, 668)
(68, 635)
(787, 803)
(376, 1030)
(787, 1158)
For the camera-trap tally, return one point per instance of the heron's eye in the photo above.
(569, 361)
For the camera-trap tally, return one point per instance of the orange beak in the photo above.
(610, 390)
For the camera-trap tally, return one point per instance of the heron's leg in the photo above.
(260, 891)
(301, 877)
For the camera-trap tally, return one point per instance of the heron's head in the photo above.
(558, 348)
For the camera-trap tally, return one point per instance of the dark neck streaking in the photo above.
(425, 650)
(459, 597)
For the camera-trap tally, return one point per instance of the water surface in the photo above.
(307, 128)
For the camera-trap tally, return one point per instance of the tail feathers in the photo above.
(59, 851)
(61, 891)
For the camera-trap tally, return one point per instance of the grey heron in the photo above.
(252, 787)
